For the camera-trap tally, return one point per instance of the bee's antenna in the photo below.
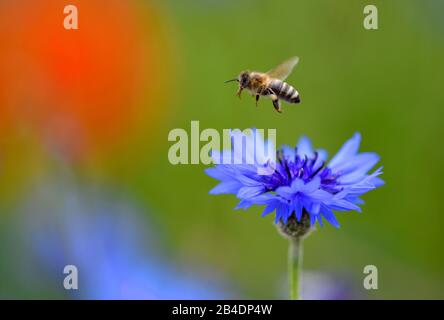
(235, 79)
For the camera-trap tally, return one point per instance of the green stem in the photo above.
(295, 267)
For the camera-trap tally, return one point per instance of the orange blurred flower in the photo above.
(76, 89)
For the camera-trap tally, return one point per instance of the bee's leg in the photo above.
(277, 105)
(275, 99)
(239, 91)
(259, 92)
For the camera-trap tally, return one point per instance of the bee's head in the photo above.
(244, 79)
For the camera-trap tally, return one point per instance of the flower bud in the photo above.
(294, 228)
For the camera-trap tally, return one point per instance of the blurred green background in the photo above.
(385, 83)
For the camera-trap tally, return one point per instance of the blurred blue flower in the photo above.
(113, 248)
(300, 181)
(330, 286)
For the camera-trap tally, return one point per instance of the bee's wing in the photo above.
(283, 70)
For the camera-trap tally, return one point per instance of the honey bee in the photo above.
(270, 84)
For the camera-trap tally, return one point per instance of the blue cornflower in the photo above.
(301, 183)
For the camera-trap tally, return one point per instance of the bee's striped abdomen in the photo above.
(284, 91)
